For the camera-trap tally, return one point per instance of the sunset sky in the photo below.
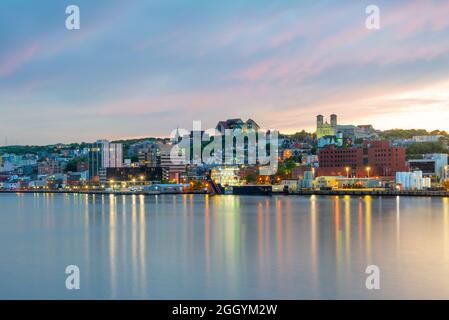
(142, 68)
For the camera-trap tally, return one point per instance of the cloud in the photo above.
(278, 63)
(15, 60)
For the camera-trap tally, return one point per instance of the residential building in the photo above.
(49, 167)
(150, 155)
(233, 124)
(430, 138)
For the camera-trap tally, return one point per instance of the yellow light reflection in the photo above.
(368, 203)
(347, 201)
(142, 242)
(314, 242)
(446, 227)
(398, 224)
(113, 243)
(207, 233)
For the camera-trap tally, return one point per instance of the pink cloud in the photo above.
(416, 16)
(15, 60)
(344, 46)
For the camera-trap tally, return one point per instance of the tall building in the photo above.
(173, 165)
(94, 161)
(150, 155)
(375, 158)
(112, 154)
(104, 154)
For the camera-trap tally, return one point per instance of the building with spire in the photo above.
(324, 128)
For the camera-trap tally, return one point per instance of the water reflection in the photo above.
(398, 224)
(169, 247)
(368, 230)
(314, 243)
(142, 242)
(446, 227)
(347, 202)
(113, 244)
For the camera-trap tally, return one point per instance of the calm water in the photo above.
(223, 247)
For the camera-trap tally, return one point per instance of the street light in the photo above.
(368, 169)
(347, 172)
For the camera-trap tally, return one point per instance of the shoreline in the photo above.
(374, 193)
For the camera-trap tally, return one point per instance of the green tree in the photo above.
(426, 147)
(251, 177)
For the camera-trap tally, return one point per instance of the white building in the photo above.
(226, 175)
(7, 185)
(37, 184)
(412, 180)
(307, 181)
(434, 164)
(292, 184)
(111, 154)
(6, 167)
(433, 138)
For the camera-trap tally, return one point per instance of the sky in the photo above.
(143, 68)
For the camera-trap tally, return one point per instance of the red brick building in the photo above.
(298, 172)
(375, 158)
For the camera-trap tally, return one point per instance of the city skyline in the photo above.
(139, 69)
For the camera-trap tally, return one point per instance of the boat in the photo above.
(256, 190)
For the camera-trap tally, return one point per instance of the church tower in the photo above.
(334, 122)
(324, 128)
(319, 121)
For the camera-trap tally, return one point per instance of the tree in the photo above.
(446, 185)
(72, 165)
(426, 147)
(285, 168)
(403, 134)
